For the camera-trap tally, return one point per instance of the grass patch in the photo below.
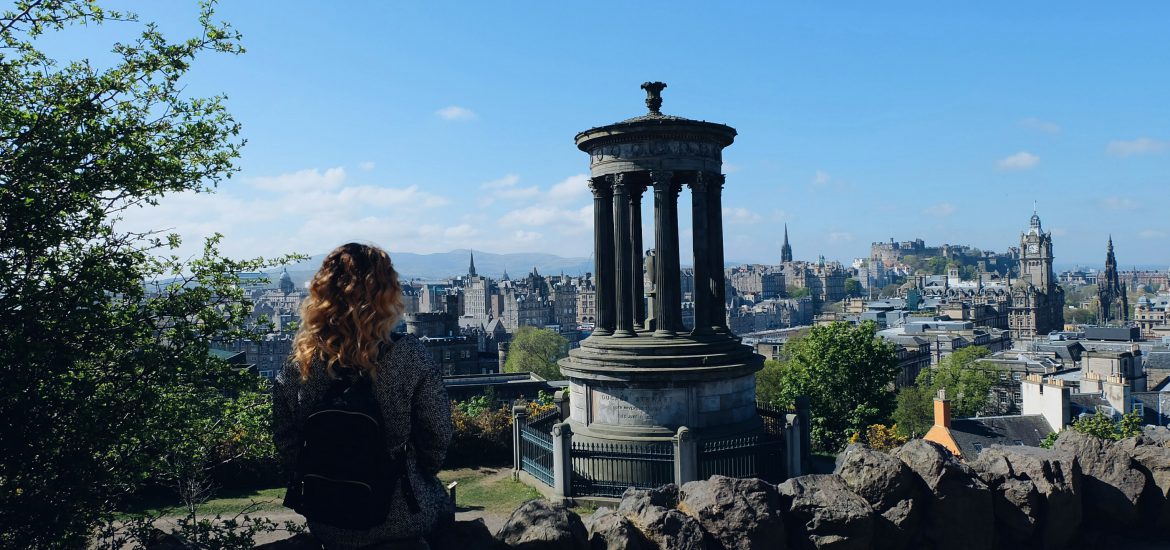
(488, 489)
(256, 501)
(491, 490)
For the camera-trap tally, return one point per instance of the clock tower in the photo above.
(1036, 255)
(1037, 301)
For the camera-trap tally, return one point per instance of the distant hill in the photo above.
(438, 266)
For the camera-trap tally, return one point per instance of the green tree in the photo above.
(1081, 316)
(1105, 427)
(844, 370)
(536, 350)
(105, 334)
(853, 287)
(890, 291)
(968, 384)
(796, 292)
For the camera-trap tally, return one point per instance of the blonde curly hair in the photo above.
(354, 302)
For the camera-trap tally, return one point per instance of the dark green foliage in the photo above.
(844, 370)
(536, 350)
(853, 287)
(1105, 427)
(796, 292)
(104, 339)
(968, 383)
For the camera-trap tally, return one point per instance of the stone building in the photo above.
(761, 282)
(1152, 316)
(1037, 300)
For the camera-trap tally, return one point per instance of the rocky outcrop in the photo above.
(1036, 495)
(959, 513)
(541, 525)
(1151, 453)
(609, 530)
(821, 512)
(894, 491)
(735, 513)
(1113, 481)
(653, 513)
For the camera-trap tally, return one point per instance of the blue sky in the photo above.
(426, 127)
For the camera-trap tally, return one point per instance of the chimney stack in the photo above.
(942, 409)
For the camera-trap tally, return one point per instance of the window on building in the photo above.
(1016, 376)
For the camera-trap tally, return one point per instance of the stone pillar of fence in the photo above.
(519, 417)
(804, 419)
(561, 400)
(562, 461)
(686, 456)
(792, 446)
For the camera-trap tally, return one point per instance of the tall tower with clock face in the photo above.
(1037, 301)
(1036, 255)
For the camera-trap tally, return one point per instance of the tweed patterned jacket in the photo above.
(409, 389)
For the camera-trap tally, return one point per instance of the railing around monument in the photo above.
(536, 447)
(545, 420)
(759, 456)
(775, 420)
(608, 469)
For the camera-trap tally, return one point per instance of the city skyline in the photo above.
(427, 129)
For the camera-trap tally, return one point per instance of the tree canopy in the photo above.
(968, 384)
(105, 334)
(844, 370)
(536, 350)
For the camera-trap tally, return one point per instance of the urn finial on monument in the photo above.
(654, 96)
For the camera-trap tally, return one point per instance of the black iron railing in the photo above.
(759, 456)
(536, 451)
(607, 469)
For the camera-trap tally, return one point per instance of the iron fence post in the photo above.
(804, 419)
(519, 416)
(562, 462)
(686, 459)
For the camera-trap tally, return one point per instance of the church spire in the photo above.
(471, 267)
(786, 250)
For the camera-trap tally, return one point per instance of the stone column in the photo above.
(603, 255)
(637, 260)
(519, 418)
(686, 456)
(701, 237)
(667, 298)
(562, 461)
(718, 276)
(624, 289)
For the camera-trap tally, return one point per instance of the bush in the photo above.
(483, 430)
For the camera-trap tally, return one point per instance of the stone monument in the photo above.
(641, 375)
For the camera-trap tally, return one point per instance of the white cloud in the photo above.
(1139, 146)
(1019, 161)
(940, 210)
(741, 216)
(367, 166)
(1042, 126)
(455, 112)
(840, 237)
(526, 236)
(1119, 203)
(461, 231)
(509, 180)
(821, 178)
(1151, 234)
(303, 180)
(570, 188)
(542, 215)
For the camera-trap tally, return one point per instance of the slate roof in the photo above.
(975, 434)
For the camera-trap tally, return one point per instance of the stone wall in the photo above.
(1083, 493)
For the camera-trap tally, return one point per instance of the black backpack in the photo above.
(345, 477)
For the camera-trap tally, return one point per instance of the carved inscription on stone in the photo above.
(651, 149)
(633, 407)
